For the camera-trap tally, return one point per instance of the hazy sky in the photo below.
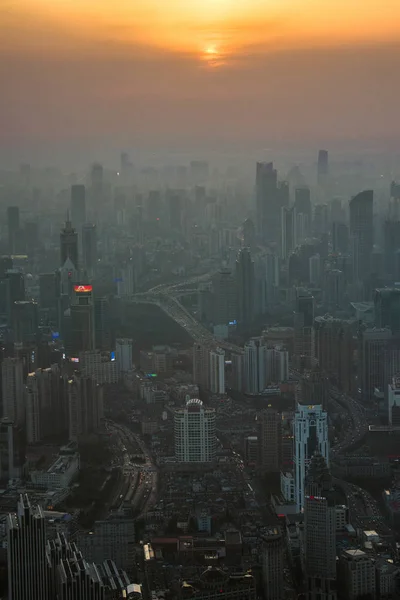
(87, 73)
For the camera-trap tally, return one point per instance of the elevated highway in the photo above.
(164, 298)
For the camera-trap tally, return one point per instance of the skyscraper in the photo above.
(25, 321)
(322, 167)
(195, 433)
(391, 244)
(270, 429)
(82, 319)
(224, 297)
(267, 203)
(272, 563)
(288, 231)
(310, 436)
(46, 404)
(255, 366)
(362, 233)
(12, 381)
(387, 309)
(373, 344)
(69, 245)
(102, 319)
(201, 365)
(12, 228)
(245, 281)
(26, 553)
(217, 371)
(304, 338)
(89, 246)
(85, 406)
(123, 354)
(78, 206)
(320, 531)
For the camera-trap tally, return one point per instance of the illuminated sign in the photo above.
(75, 360)
(82, 288)
(55, 335)
(234, 322)
(112, 355)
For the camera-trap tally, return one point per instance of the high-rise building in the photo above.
(46, 404)
(255, 366)
(267, 203)
(12, 451)
(391, 244)
(195, 433)
(76, 578)
(12, 228)
(362, 233)
(72, 577)
(89, 246)
(102, 319)
(86, 411)
(373, 344)
(123, 354)
(16, 286)
(356, 574)
(320, 531)
(394, 401)
(245, 281)
(49, 291)
(289, 239)
(270, 430)
(217, 371)
(310, 436)
(78, 206)
(25, 321)
(201, 365)
(304, 339)
(12, 382)
(69, 245)
(272, 564)
(238, 377)
(277, 365)
(82, 319)
(26, 553)
(334, 349)
(387, 309)
(224, 297)
(322, 166)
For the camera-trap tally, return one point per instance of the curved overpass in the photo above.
(175, 310)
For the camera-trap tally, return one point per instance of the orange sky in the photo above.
(162, 70)
(195, 27)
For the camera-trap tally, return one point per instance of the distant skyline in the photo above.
(196, 73)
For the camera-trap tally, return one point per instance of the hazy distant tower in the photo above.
(362, 233)
(323, 166)
(69, 244)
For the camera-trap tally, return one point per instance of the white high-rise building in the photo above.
(195, 433)
(217, 371)
(310, 436)
(255, 366)
(13, 390)
(123, 354)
